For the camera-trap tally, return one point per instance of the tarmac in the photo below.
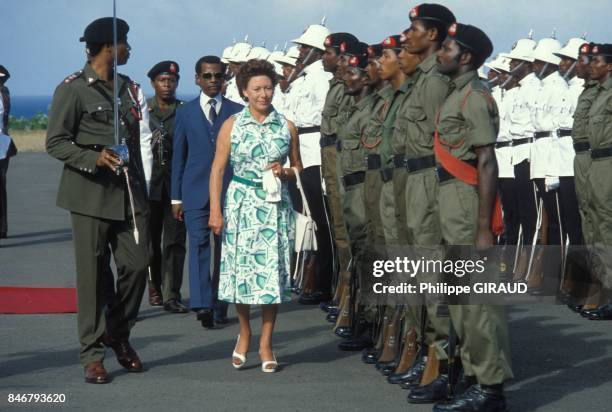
(561, 362)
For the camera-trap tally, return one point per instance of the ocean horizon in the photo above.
(30, 106)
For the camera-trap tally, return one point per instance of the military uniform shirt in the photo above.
(521, 124)
(400, 125)
(600, 117)
(580, 127)
(504, 154)
(546, 113)
(372, 138)
(231, 91)
(305, 102)
(80, 126)
(335, 100)
(160, 175)
(429, 92)
(351, 156)
(468, 118)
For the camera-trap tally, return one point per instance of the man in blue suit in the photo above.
(195, 132)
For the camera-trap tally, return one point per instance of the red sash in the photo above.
(467, 174)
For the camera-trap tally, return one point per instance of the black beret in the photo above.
(374, 51)
(604, 49)
(334, 40)
(432, 11)
(5, 73)
(360, 62)
(165, 67)
(357, 48)
(100, 31)
(585, 48)
(472, 38)
(392, 42)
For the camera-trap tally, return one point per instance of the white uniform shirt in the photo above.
(231, 91)
(503, 154)
(278, 101)
(304, 105)
(565, 144)
(545, 117)
(521, 125)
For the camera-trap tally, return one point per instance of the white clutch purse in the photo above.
(305, 226)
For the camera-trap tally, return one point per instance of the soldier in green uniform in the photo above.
(371, 200)
(466, 131)
(167, 233)
(429, 24)
(599, 182)
(399, 66)
(80, 132)
(352, 170)
(336, 101)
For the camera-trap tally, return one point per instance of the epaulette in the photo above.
(73, 76)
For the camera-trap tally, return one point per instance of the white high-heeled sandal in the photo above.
(265, 365)
(235, 355)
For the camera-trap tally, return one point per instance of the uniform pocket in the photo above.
(100, 111)
(352, 155)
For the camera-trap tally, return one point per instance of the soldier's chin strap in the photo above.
(121, 149)
(511, 76)
(305, 62)
(569, 71)
(541, 73)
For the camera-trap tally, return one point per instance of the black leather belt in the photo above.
(386, 175)
(601, 153)
(580, 147)
(338, 145)
(353, 179)
(564, 132)
(539, 135)
(328, 140)
(399, 160)
(94, 147)
(518, 142)
(373, 161)
(499, 145)
(444, 175)
(309, 129)
(420, 163)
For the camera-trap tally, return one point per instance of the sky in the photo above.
(40, 44)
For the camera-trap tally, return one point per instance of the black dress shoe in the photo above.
(344, 332)
(414, 374)
(369, 356)
(434, 392)
(575, 308)
(328, 305)
(398, 378)
(355, 344)
(205, 316)
(175, 306)
(585, 313)
(475, 399)
(381, 365)
(464, 383)
(603, 312)
(332, 317)
(388, 369)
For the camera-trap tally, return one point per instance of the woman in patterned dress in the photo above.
(257, 235)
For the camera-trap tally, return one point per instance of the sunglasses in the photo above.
(209, 76)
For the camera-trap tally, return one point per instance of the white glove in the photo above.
(272, 186)
(551, 183)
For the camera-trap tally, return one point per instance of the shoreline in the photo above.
(29, 140)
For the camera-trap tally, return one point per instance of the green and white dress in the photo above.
(258, 236)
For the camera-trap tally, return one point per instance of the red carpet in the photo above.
(27, 300)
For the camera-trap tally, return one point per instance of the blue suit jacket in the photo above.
(194, 151)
